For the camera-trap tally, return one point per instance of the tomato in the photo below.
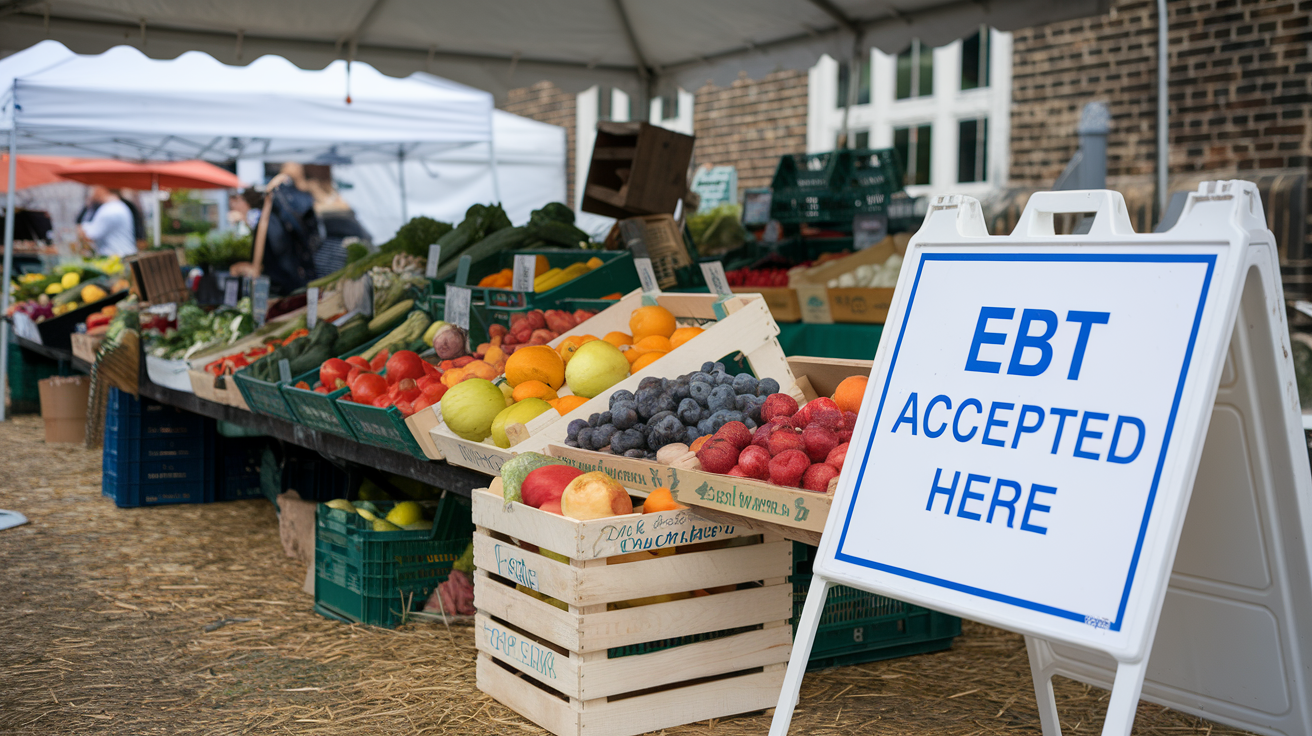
(353, 374)
(302, 385)
(378, 362)
(404, 364)
(382, 402)
(434, 390)
(333, 369)
(368, 387)
(423, 402)
(359, 361)
(430, 370)
(322, 390)
(406, 390)
(406, 408)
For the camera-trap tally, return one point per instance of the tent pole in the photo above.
(400, 167)
(492, 159)
(155, 208)
(9, 264)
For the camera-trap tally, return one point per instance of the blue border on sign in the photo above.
(1210, 260)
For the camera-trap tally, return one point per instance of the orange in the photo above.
(661, 500)
(651, 321)
(567, 404)
(535, 363)
(653, 342)
(533, 390)
(645, 360)
(540, 266)
(618, 339)
(632, 354)
(850, 393)
(570, 344)
(684, 334)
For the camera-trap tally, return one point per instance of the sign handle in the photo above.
(797, 661)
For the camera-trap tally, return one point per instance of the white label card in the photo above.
(524, 272)
(231, 291)
(456, 310)
(312, 307)
(716, 281)
(285, 371)
(646, 275)
(260, 299)
(1025, 414)
(434, 258)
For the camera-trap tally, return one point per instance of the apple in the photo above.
(547, 483)
(594, 495)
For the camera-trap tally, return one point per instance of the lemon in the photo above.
(70, 280)
(383, 525)
(418, 526)
(367, 514)
(366, 506)
(340, 504)
(54, 288)
(406, 512)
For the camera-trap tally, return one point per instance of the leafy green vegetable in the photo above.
(415, 236)
(220, 250)
(356, 251)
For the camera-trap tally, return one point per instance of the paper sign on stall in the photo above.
(1030, 440)
(456, 309)
(434, 259)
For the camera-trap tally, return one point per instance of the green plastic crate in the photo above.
(26, 368)
(384, 428)
(376, 578)
(318, 411)
(858, 627)
(835, 186)
(263, 397)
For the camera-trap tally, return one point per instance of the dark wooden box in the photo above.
(636, 169)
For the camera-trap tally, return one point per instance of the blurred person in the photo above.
(130, 197)
(239, 211)
(110, 229)
(337, 222)
(287, 236)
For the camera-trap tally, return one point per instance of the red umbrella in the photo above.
(152, 175)
(164, 174)
(33, 171)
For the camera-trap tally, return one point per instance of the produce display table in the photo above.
(78, 364)
(854, 341)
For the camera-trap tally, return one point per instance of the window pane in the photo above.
(970, 62)
(904, 74)
(923, 145)
(972, 151)
(902, 144)
(863, 93)
(926, 71)
(862, 140)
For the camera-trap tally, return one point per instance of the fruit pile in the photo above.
(673, 413)
(534, 327)
(545, 278)
(736, 425)
(405, 515)
(539, 378)
(758, 277)
(401, 379)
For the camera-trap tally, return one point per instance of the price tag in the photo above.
(524, 273)
(457, 306)
(867, 230)
(434, 257)
(231, 291)
(716, 281)
(285, 371)
(260, 299)
(646, 275)
(312, 307)
(773, 231)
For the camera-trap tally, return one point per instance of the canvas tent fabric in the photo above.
(652, 45)
(530, 167)
(123, 104)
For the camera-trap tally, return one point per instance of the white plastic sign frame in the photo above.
(1176, 339)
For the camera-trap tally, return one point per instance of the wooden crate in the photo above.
(157, 277)
(223, 391)
(85, 346)
(663, 239)
(782, 301)
(687, 660)
(824, 304)
(747, 327)
(636, 169)
(791, 512)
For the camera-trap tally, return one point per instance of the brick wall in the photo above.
(750, 124)
(1239, 103)
(547, 103)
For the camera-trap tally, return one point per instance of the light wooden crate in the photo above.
(555, 667)
(740, 324)
(791, 512)
(225, 392)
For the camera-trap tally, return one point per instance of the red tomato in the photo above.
(302, 385)
(322, 390)
(333, 369)
(434, 390)
(423, 402)
(382, 402)
(430, 370)
(378, 362)
(404, 364)
(354, 374)
(358, 361)
(406, 408)
(406, 390)
(368, 387)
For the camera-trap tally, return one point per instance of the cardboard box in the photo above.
(85, 346)
(823, 304)
(64, 407)
(781, 300)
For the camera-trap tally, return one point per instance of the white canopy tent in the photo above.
(123, 104)
(641, 47)
(530, 169)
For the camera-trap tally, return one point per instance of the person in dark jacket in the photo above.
(287, 236)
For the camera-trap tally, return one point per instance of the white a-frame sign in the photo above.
(1042, 412)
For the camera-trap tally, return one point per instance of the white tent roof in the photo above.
(507, 44)
(123, 104)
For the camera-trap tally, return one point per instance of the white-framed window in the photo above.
(948, 106)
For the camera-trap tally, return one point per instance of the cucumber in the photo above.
(509, 238)
(391, 317)
(351, 336)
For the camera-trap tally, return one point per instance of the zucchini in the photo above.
(559, 233)
(510, 238)
(389, 318)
